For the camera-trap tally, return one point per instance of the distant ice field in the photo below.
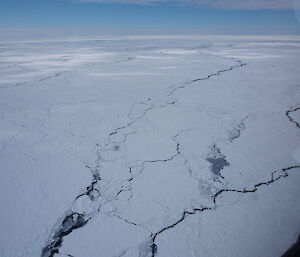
(150, 146)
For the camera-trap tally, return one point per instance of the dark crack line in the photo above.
(133, 121)
(214, 197)
(91, 191)
(125, 60)
(57, 74)
(256, 186)
(162, 160)
(218, 73)
(132, 223)
(287, 113)
(75, 220)
(222, 191)
(171, 93)
(53, 76)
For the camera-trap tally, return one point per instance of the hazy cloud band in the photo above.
(221, 4)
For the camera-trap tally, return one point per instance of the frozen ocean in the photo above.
(143, 146)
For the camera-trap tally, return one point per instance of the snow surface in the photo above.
(150, 146)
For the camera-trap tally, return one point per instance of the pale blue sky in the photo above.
(199, 16)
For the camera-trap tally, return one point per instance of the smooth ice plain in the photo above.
(150, 146)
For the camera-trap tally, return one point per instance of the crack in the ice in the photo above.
(214, 197)
(256, 186)
(133, 223)
(218, 73)
(69, 224)
(57, 74)
(91, 191)
(186, 213)
(126, 59)
(287, 113)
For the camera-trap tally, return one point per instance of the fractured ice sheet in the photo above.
(121, 146)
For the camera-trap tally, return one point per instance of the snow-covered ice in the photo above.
(150, 146)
